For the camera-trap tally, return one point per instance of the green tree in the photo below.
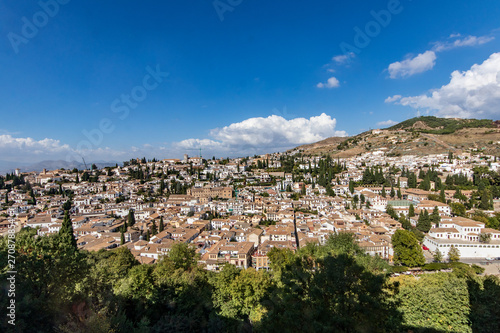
(482, 293)
(411, 211)
(407, 250)
(424, 221)
(393, 193)
(435, 217)
(458, 209)
(66, 232)
(351, 186)
(154, 229)
(67, 205)
(485, 200)
(442, 196)
(453, 254)
(405, 222)
(392, 213)
(49, 270)
(131, 218)
(399, 194)
(438, 256)
(122, 238)
(485, 237)
(434, 303)
(327, 289)
(183, 256)
(383, 192)
(238, 294)
(161, 227)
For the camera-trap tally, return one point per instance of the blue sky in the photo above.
(244, 76)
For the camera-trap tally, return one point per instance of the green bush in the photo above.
(435, 266)
(477, 269)
(399, 269)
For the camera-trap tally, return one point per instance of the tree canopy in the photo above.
(407, 250)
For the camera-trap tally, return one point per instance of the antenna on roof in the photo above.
(200, 152)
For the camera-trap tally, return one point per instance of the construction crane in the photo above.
(85, 163)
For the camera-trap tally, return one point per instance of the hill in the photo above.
(416, 136)
(435, 125)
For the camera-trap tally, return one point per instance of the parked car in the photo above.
(425, 248)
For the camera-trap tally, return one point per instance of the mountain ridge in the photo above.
(423, 135)
(8, 166)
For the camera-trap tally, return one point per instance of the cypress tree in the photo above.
(435, 218)
(32, 195)
(161, 224)
(383, 192)
(442, 196)
(154, 229)
(131, 218)
(66, 231)
(122, 238)
(424, 221)
(485, 201)
(411, 211)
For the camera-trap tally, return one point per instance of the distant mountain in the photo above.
(6, 166)
(416, 136)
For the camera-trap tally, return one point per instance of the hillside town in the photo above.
(236, 210)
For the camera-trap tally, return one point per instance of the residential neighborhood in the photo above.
(236, 210)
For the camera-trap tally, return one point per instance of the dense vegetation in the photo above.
(443, 125)
(330, 288)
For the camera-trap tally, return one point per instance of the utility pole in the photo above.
(295, 228)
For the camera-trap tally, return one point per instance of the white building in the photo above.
(464, 234)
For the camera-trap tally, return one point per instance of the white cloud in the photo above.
(426, 61)
(386, 123)
(29, 148)
(198, 143)
(461, 42)
(392, 99)
(253, 135)
(259, 135)
(472, 93)
(343, 58)
(421, 63)
(330, 83)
